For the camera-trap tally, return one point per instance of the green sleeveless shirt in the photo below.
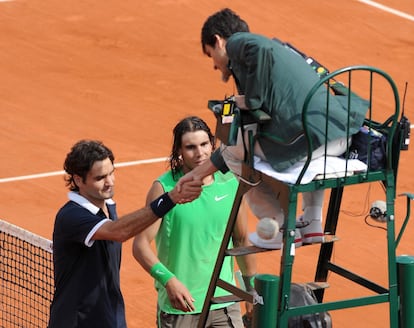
(189, 239)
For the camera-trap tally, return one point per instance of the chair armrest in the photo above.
(249, 116)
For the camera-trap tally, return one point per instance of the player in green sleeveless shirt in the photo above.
(189, 236)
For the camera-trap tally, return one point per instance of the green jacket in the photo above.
(276, 80)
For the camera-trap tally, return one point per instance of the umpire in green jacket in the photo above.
(271, 77)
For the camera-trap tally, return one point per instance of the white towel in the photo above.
(335, 167)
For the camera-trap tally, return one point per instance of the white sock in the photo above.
(312, 213)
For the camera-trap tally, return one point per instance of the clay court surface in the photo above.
(126, 71)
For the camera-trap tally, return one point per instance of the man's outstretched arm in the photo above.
(131, 224)
(215, 163)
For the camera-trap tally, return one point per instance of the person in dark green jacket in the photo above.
(271, 77)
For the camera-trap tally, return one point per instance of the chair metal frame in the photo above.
(289, 199)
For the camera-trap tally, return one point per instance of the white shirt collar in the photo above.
(82, 201)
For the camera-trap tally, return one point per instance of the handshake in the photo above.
(186, 190)
(189, 187)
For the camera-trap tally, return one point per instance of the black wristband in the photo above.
(218, 161)
(162, 205)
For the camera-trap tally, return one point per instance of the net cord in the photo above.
(25, 235)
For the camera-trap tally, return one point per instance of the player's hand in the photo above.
(249, 311)
(196, 175)
(188, 177)
(248, 316)
(185, 191)
(179, 296)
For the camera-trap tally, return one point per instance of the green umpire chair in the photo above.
(383, 118)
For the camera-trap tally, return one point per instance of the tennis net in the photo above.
(26, 278)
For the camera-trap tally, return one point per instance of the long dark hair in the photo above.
(188, 124)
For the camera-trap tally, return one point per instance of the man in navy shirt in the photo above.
(87, 240)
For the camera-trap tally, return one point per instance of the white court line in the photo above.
(388, 9)
(54, 173)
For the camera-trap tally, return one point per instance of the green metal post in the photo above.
(265, 315)
(405, 268)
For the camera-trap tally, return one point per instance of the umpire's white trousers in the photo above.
(261, 199)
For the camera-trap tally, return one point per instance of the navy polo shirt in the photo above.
(87, 285)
